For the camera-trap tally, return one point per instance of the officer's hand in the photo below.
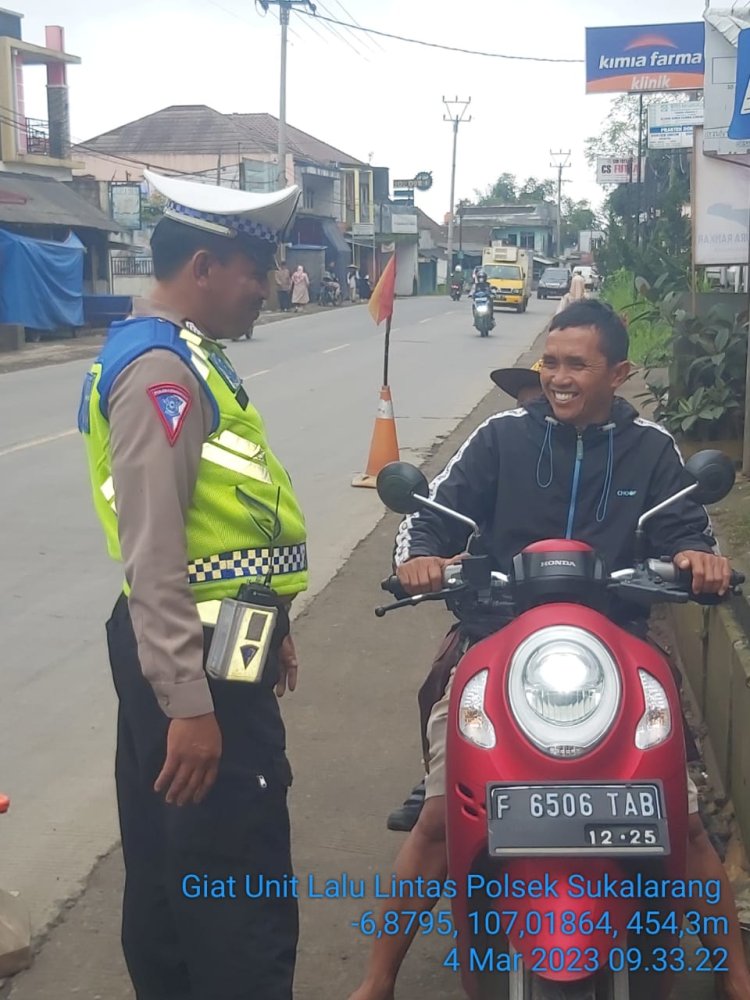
(288, 667)
(423, 575)
(711, 574)
(192, 763)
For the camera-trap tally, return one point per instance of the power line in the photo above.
(331, 14)
(436, 45)
(355, 21)
(10, 117)
(337, 34)
(310, 25)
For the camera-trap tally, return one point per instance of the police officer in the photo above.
(195, 504)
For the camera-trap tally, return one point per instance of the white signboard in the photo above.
(403, 223)
(617, 170)
(363, 229)
(721, 77)
(670, 126)
(722, 209)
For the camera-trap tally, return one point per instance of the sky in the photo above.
(377, 100)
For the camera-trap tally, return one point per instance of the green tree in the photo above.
(152, 209)
(535, 191)
(507, 190)
(504, 191)
(660, 203)
(576, 216)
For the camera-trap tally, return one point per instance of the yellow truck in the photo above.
(510, 271)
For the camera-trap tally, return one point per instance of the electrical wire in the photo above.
(11, 118)
(310, 24)
(332, 15)
(375, 43)
(437, 45)
(328, 23)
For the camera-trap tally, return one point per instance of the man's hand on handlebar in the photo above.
(424, 574)
(711, 574)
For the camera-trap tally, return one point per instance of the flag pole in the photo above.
(384, 444)
(387, 352)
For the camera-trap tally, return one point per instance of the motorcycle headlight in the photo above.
(656, 722)
(473, 722)
(564, 689)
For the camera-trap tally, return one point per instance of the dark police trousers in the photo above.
(181, 939)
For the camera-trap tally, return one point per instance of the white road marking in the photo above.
(339, 348)
(36, 441)
(265, 371)
(429, 318)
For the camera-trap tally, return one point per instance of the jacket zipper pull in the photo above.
(261, 781)
(579, 448)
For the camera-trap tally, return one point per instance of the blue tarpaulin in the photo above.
(41, 282)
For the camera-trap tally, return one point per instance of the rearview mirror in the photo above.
(715, 474)
(397, 484)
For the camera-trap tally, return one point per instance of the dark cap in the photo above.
(515, 380)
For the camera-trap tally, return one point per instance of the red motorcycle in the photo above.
(566, 772)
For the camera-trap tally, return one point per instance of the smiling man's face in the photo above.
(577, 377)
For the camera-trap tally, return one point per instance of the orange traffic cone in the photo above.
(384, 444)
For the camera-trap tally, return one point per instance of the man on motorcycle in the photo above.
(513, 477)
(331, 288)
(483, 287)
(523, 385)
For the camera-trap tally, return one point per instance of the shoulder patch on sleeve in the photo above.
(173, 404)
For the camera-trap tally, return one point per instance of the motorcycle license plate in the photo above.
(586, 819)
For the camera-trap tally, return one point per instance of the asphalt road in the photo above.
(316, 380)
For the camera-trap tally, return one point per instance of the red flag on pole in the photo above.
(381, 300)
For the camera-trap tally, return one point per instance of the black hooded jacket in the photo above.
(523, 477)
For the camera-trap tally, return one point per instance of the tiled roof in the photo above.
(265, 128)
(196, 128)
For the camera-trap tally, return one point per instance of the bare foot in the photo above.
(374, 991)
(733, 988)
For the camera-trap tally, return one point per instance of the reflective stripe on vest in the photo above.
(199, 356)
(222, 451)
(218, 452)
(108, 492)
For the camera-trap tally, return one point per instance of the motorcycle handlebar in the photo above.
(666, 571)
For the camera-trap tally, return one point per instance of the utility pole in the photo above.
(455, 118)
(561, 162)
(285, 9)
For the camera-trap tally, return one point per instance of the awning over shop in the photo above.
(28, 200)
(334, 237)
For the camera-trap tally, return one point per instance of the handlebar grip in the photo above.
(685, 578)
(393, 586)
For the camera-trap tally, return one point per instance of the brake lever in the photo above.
(646, 593)
(413, 602)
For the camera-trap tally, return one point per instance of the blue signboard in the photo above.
(645, 58)
(740, 126)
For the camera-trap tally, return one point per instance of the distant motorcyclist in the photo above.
(331, 289)
(481, 283)
(482, 288)
(457, 282)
